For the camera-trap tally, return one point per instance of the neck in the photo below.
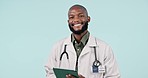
(79, 37)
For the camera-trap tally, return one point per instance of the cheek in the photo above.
(69, 21)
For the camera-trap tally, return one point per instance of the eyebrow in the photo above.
(78, 13)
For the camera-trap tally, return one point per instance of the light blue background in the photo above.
(29, 28)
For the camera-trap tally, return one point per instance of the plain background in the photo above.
(29, 28)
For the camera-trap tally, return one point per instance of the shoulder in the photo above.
(103, 46)
(100, 42)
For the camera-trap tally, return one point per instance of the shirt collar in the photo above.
(83, 40)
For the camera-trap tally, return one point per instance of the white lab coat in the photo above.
(85, 60)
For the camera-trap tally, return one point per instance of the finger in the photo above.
(69, 76)
(80, 76)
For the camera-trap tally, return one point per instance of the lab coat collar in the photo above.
(92, 42)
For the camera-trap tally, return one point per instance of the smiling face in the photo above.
(78, 19)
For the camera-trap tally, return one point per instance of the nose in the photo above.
(76, 19)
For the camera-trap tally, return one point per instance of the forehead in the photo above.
(76, 10)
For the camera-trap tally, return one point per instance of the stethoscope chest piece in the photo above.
(96, 63)
(98, 67)
(95, 67)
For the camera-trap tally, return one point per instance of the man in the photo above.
(91, 57)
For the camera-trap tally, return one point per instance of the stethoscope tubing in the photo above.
(64, 53)
(95, 63)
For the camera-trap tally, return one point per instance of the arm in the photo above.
(52, 62)
(112, 70)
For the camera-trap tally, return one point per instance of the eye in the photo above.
(81, 15)
(71, 17)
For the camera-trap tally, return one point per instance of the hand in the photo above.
(80, 76)
(70, 76)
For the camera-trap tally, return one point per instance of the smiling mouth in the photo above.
(76, 25)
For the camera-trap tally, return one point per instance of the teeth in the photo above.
(77, 25)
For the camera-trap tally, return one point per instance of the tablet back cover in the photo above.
(61, 73)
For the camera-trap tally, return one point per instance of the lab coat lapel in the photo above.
(70, 47)
(71, 52)
(91, 43)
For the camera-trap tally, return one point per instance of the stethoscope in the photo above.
(64, 52)
(96, 63)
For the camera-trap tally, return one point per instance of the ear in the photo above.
(88, 18)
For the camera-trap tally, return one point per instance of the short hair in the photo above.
(80, 6)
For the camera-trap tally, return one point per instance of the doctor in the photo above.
(91, 57)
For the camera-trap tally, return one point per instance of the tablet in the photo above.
(61, 73)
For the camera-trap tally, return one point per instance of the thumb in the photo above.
(81, 76)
